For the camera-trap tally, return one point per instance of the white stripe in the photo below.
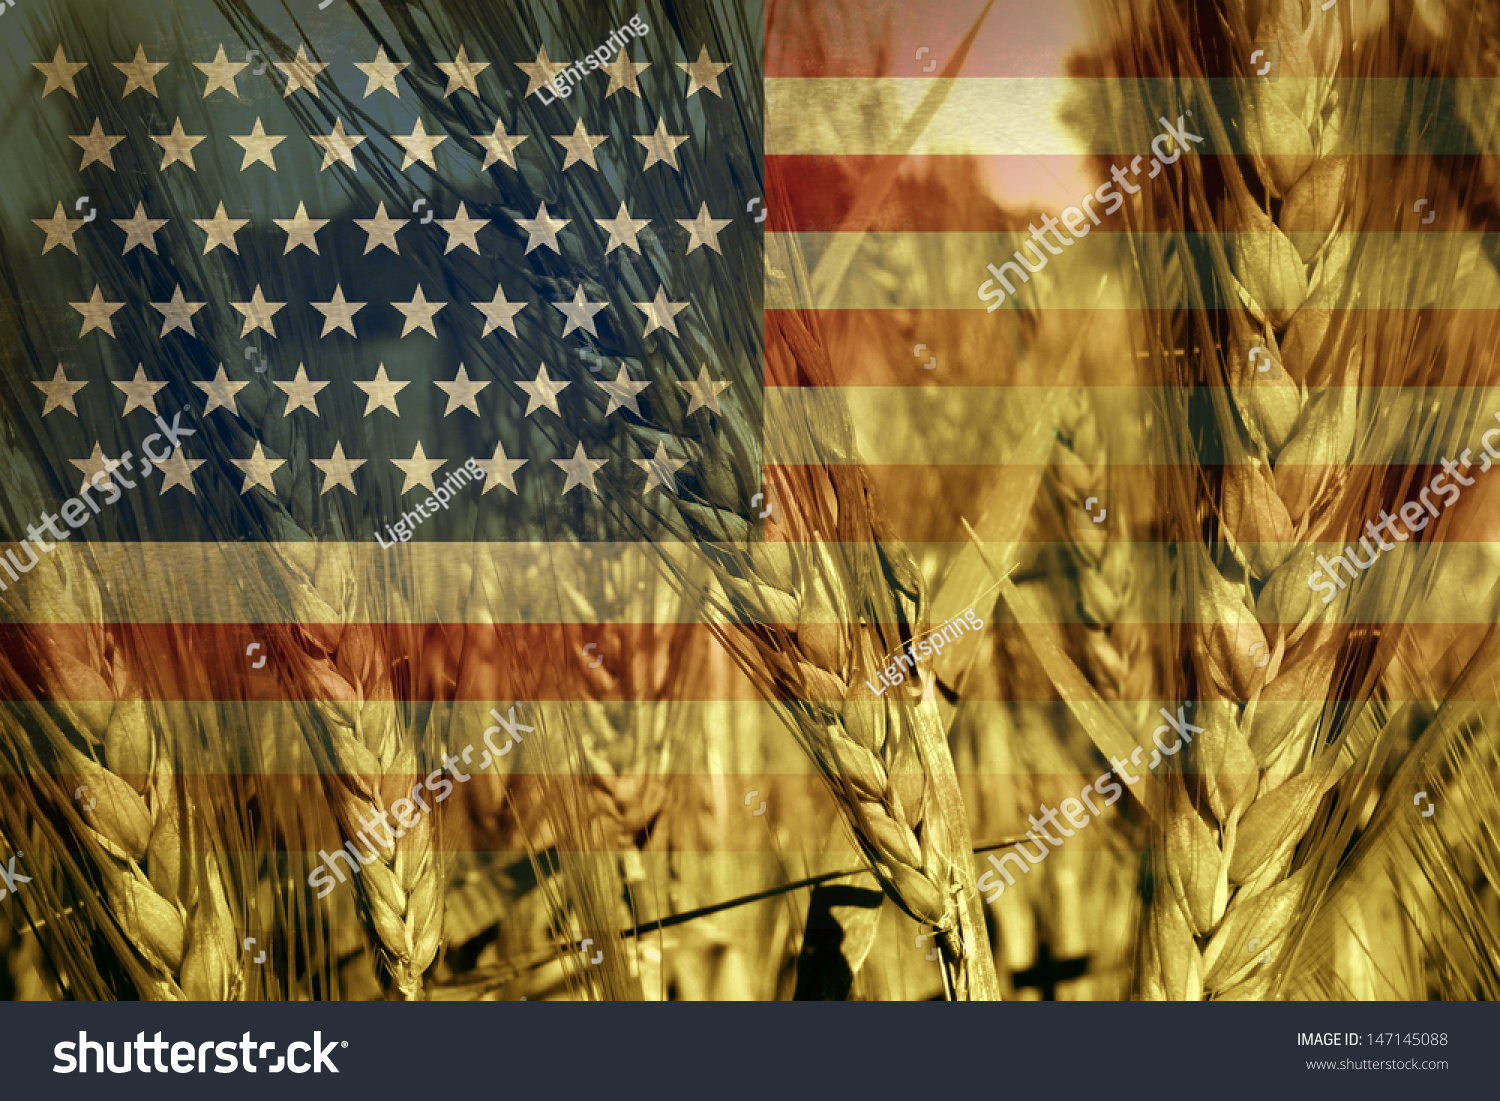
(527, 582)
(1024, 116)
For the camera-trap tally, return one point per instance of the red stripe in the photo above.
(817, 194)
(1018, 38)
(867, 347)
(518, 808)
(206, 663)
(506, 661)
(961, 194)
(812, 38)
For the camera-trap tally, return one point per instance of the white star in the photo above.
(301, 393)
(258, 470)
(622, 230)
(139, 73)
(461, 72)
(301, 231)
(221, 73)
(500, 470)
(338, 147)
(661, 469)
(462, 393)
(539, 73)
(499, 313)
(221, 392)
(139, 229)
(178, 471)
(300, 72)
(96, 463)
(660, 146)
(178, 313)
(258, 146)
(381, 391)
(499, 146)
(705, 392)
(418, 470)
(542, 392)
(462, 230)
(542, 229)
(382, 230)
(140, 392)
(60, 230)
(97, 313)
(622, 74)
(97, 146)
(419, 146)
(60, 392)
(703, 73)
(382, 73)
(580, 145)
(339, 313)
(178, 146)
(580, 312)
(337, 470)
(60, 72)
(221, 230)
(580, 470)
(622, 393)
(661, 314)
(258, 313)
(703, 229)
(418, 312)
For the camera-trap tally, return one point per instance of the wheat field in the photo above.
(715, 754)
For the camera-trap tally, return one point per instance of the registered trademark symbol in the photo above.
(344, 1043)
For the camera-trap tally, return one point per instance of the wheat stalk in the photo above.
(1120, 623)
(602, 786)
(368, 761)
(1116, 642)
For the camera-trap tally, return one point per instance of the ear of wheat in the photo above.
(368, 759)
(886, 760)
(102, 779)
(1394, 887)
(1238, 855)
(1221, 866)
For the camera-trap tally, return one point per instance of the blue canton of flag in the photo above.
(403, 284)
